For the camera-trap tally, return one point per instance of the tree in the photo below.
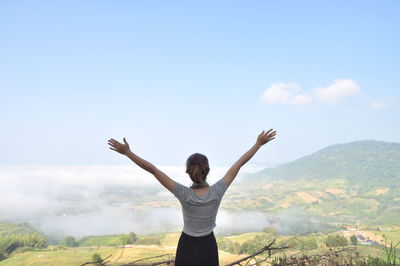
(132, 237)
(255, 244)
(9, 243)
(353, 240)
(125, 240)
(70, 241)
(336, 241)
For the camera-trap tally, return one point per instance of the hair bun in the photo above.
(197, 167)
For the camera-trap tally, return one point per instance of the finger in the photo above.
(125, 141)
(265, 134)
(110, 142)
(269, 131)
(117, 143)
(114, 141)
(113, 149)
(115, 146)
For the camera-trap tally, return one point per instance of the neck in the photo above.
(200, 185)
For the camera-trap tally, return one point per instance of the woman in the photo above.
(200, 202)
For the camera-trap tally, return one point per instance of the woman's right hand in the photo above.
(119, 147)
(265, 137)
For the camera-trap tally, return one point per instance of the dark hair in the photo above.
(197, 167)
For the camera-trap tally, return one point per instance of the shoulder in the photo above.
(179, 190)
(220, 187)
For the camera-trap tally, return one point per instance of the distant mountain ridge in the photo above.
(371, 161)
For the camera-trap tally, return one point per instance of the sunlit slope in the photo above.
(340, 184)
(361, 163)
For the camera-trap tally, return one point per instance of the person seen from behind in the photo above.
(197, 245)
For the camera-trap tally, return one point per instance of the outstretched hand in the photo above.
(265, 137)
(119, 147)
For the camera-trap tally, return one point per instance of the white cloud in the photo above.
(382, 103)
(92, 199)
(244, 221)
(285, 93)
(81, 199)
(338, 91)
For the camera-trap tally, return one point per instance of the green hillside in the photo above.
(344, 184)
(10, 228)
(362, 163)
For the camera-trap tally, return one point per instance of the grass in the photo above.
(109, 240)
(78, 256)
(243, 237)
(71, 256)
(170, 239)
(391, 236)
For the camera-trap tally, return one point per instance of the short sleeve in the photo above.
(179, 191)
(220, 187)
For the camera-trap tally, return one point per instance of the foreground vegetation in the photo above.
(30, 248)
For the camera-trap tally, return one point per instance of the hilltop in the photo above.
(359, 162)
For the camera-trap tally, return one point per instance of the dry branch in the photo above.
(268, 248)
(330, 256)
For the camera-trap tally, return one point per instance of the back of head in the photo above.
(197, 167)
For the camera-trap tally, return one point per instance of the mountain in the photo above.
(361, 163)
(356, 183)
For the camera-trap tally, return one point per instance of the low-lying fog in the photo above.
(70, 200)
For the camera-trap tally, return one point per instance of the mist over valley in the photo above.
(81, 200)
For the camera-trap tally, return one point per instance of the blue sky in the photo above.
(178, 77)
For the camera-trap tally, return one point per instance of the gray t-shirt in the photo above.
(199, 213)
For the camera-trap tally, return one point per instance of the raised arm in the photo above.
(124, 149)
(262, 139)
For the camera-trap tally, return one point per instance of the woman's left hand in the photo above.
(119, 147)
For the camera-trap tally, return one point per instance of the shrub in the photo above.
(125, 240)
(148, 240)
(9, 243)
(70, 241)
(354, 240)
(336, 241)
(255, 244)
(228, 245)
(133, 237)
(96, 259)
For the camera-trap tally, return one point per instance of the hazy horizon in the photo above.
(74, 200)
(249, 167)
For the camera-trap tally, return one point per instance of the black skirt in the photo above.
(197, 251)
